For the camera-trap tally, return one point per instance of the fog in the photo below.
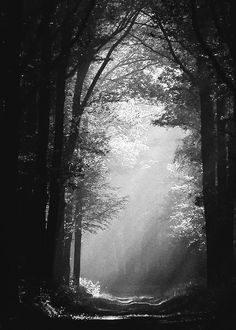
(135, 255)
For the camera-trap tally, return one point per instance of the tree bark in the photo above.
(77, 238)
(232, 138)
(77, 111)
(54, 225)
(67, 244)
(208, 150)
(38, 226)
(224, 202)
(10, 105)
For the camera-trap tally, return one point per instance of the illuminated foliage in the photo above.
(186, 217)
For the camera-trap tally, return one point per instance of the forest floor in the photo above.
(192, 310)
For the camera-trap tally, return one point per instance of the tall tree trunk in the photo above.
(77, 112)
(77, 237)
(68, 242)
(54, 225)
(38, 225)
(232, 138)
(57, 275)
(232, 176)
(208, 150)
(26, 182)
(11, 27)
(224, 202)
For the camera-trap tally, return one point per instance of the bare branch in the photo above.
(105, 62)
(173, 53)
(132, 72)
(121, 64)
(161, 54)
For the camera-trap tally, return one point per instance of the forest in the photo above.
(118, 124)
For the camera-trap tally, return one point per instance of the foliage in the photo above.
(186, 215)
(181, 104)
(89, 175)
(127, 132)
(91, 288)
(128, 73)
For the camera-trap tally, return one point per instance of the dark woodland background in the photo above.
(44, 46)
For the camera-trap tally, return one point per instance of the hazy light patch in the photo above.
(139, 163)
(110, 317)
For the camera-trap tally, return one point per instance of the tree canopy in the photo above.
(73, 75)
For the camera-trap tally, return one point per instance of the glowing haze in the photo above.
(134, 255)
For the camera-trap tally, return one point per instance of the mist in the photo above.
(135, 255)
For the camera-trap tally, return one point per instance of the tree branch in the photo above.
(123, 63)
(105, 62)
(172, 52)
(152, 49)
(132, 72)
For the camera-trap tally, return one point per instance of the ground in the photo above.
(189, 311)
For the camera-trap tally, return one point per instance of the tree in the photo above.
(63, 49)
(178, 25)
(11, 29)
(82, 95)
(187, 214)
(95, 202)
(56, 40)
